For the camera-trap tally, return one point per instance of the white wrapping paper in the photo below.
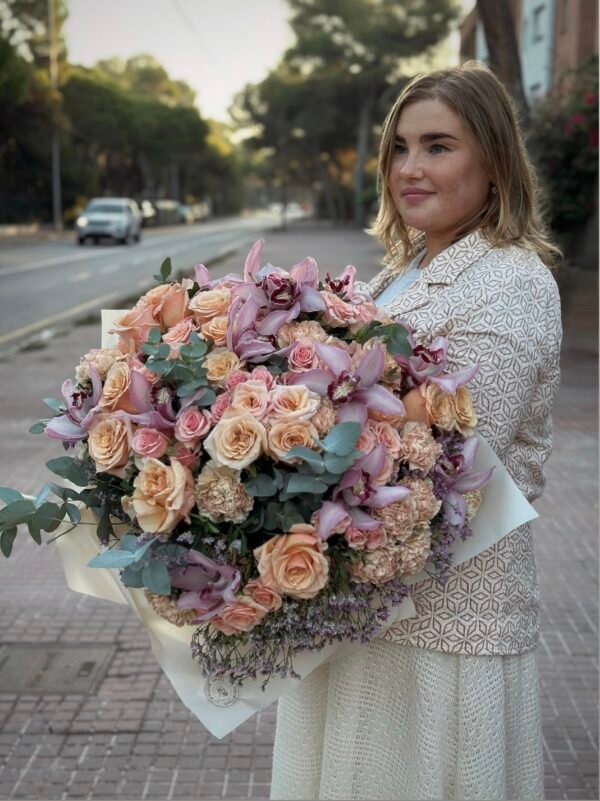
(215, 702)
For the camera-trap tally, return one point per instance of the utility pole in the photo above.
(53, 61)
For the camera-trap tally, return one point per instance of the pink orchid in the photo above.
(80, 408)
(356, 486)
(354, 388)
(209, 586)
(343, 285)
(458, 477)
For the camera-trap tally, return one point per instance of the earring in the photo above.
(493, 190)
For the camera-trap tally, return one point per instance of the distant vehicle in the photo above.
(117, 218)
(185, 214)
(149, 214)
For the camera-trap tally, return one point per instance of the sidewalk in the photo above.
(131, 738)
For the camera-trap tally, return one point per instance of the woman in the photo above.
(445, 704)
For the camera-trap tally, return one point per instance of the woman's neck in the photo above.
(433, 247)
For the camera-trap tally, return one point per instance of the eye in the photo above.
(437, 148)
(399, 148)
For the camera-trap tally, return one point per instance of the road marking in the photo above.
(81, 277)
(104, 300)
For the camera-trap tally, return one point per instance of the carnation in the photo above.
(324, 418)
(473, 501)
(415, 550)
(421, 492)
(419, 448)
(101, 360)
(398, 519)
(307, 329)
(221, 496)
(377, 566)
(166, 607)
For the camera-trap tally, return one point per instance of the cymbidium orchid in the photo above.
(457, 476)
(80, 407)
(427, 365)
(355, 388)
(355, 490)
(208, 586)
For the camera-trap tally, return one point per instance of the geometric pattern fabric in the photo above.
(499, 308)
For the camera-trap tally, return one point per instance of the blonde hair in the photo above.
(511, 215)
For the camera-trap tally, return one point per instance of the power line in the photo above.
(189, 24)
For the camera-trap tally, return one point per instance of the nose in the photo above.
(410, 167)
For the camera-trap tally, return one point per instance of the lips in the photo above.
(414, 192)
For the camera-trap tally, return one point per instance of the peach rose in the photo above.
(340, 314)
(215, 330)
(252, 397)
(293, 402)
(355, 537)
(385, 474)
(236, 441)
(450, 411)
(263, 595)
(169, 304)
(116, 392)
(207, 305)
(287, 434)
(241, 615)
(396, 421)
(376, 538)
(109, 443)
(192, 425)
(366, 441)
(163, 496)
(179, 335)
(133, 328)
(303, 357)
(150, 442)
(293, 564)
(219, 364)
(387, 435)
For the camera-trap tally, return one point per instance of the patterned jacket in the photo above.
(500, 308)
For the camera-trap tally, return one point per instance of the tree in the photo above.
(358, 44)
(499, 26)
(144, 75)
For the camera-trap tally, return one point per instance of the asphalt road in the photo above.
(44, 285)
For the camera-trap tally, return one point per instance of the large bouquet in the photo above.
(252, 467)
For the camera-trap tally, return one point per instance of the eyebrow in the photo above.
(429, 137)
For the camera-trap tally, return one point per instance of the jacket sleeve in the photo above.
(511, 328)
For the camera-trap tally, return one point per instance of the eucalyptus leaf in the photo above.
(56, 405)
(69, 468)
(297, 484)
(16, 512)
(339, 464)
(156, 577)
(188, 389)
(262, 486)
(132, 577)
(307, 455)
(34, 530)
(163, 350)
(7, 539)
(161, 367)
(39, 427)
(207, 398)
(114, 557)
(8, 495)
(74, 513)
(153, 337)
(42, 495)
(166, 268)
(48, 517)
(342, 438)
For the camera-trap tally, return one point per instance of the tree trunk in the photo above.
(362, 148)
(327, 189)
(499, 26)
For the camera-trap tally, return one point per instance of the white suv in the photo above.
(117, 218)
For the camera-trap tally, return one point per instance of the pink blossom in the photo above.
(186, 456)
(356, 537)
(192, 424)
(262, 374)
(221, 404)
(235, 378)
(149, 442)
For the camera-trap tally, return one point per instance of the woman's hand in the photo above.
(414, 404)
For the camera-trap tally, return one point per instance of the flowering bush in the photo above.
(251, 436)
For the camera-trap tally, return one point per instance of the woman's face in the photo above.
(437, 178)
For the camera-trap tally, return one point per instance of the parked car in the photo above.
(149, 214)
(117, 218)
(185, 214)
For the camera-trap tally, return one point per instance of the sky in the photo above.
(217, 46)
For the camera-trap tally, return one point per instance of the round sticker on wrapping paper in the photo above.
(220, 691)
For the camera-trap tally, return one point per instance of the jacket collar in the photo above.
(444, 269)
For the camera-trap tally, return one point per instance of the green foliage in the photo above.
(563, 140)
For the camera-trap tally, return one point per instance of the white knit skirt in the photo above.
(396, 722)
